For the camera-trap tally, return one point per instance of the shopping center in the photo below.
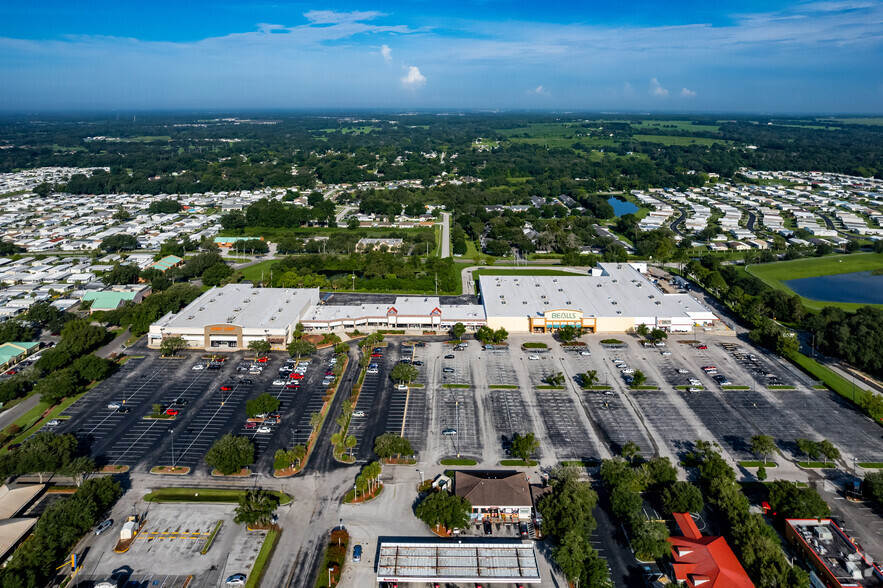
(613, 298)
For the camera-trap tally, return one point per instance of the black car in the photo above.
(450, 356)
(417, 363)
(124, 409)
(488, 530)
(522, 529)
(180, 401)
(245, 381)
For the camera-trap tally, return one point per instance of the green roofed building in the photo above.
(14, 351)
(230, 241)
(109, 300)
(166, 263)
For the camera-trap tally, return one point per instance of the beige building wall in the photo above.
(617, 324)
(512, 324)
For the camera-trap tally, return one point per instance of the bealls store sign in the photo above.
(563, 315)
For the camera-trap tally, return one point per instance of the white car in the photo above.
(666, 353)
(617, 360)
(402, 387)
(585, 353)
(280, 382)
(359, 413)
(263, 429)
(660, 344)
(694, 389)
(114, 405)
(199, 366)
(373, 371)
(682, 371)
(53, 423)
(627, 371)
(533, 357)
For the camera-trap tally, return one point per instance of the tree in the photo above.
(172, 345)
(571, 552)
(761, 473)
(808, 448)
(260, 347)
(298, 348)
(630, 450)
(523, 447)
(650, 540)
(119, 242)
(230, 454)
(78, 337)
(794, 502)
(389, 445)
(58, 385)
(216, 274)
(642, 330)
(682, 497)
(827, 449)
(590, 378)
(350, 442)
(763, 445)
(404, 372)
(263, 404)
(446, 510)
(92, 368)
(315, 419)
(638, 379)
(256, 507)
(41, 454)
(567, 333)
(626, 504)
(568, 505)
(122, 274)
(458, 330)
(78, 468)
(13, 330)
(872, 487)
(658, 335)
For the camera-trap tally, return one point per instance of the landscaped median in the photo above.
(170, 470)
(517, 463)
(334, 559)
(458, 461)
(205, 495)
(821, 465)
(757, 464)
(845, 388)
(264, 555)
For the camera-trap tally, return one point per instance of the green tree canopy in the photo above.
(404, 372)
(230, 454)
(448, 510)
(256, 507)
(390, 445)
(682, 497)
(263, 404)
(524, 446)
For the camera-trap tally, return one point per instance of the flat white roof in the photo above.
(489, 563)
(619, 288)
(242, 305)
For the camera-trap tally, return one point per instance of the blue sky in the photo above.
(822, 56)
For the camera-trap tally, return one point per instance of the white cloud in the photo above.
(332, 17)
(656, 88)
(386, 52)
(413, 79)
(687, 93)
(539, 91)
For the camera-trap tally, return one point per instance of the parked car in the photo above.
(402, 387)
(450, 356)
(682, 371)
(522, 529)
(104, 526)
(172, 412)
(124, 410)
(666, 353)
(449, 432)
(235, 580)
(226, 388)
(585, 353)
(114, 405)
(280, 382)
(660, 343)
(245, 381)
(264, 429)
(702, 347)
(199, 366)
(488, 529)
(53, 423)
(627, 371)
(448, 370)
(418, 363)
(357, 553)
(292, 386)
(251, 425)
(358, 413)
(373, 370)
(533, 357)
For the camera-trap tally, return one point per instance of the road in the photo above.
(115, 346)
(346, 210)
(678, 221)
(7, 417)
(446, 235)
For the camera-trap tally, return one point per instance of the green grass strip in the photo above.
(735, 388)
(816, 464)
(503, 387)
(780, 387)
(456, 386)
(757, 464)
(831, 379)
(643, 387)
(517, 463)
(870, 465)
(458, 462)
(211, 538)
(688, 387)
(580, 463)
(597, 387)
(550, 387)
(264, 555)
(204, 495)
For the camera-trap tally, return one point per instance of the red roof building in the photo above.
(704, 561)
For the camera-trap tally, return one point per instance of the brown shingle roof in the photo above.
(507, 489)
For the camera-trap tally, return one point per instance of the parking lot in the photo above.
(173, 533)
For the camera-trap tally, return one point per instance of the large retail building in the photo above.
(613, 298)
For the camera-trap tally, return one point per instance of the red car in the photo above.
(226, 388)
(296, 376)
(376, 355)
(702, 347)
(263, 360)
(329, 373)
(173, 411)
(251, 425)
(294, 386)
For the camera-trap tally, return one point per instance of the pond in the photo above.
(858, 287)
(621, 207)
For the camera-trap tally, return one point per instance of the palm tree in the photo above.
(642, 330)
(315, 419)
(589, 378)
(350, 443)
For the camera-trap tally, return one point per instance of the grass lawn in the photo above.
(517, 463)
(471, 251)
(257, 571)
(832, 380)
(253, 273)
(680, 125)
(458, 462)
(503, 387)
(597, 387)
(203, 495)
(211, 538)
(780, 387)
(871, 465)
(456, 386)
(774, 274)
(526, 271)
(546, 387)
(673, 140)
(757, 464)
(735, 387)
(817, 464)
(643, 387)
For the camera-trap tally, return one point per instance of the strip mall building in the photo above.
(613, 298)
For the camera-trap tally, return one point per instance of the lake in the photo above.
(621, 207)
(858, 287)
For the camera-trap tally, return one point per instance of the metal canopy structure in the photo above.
(487, 563)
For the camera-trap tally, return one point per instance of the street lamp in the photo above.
(421, 476)
(329, 576)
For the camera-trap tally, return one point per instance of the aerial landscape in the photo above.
(483, 294)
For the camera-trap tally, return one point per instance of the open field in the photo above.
(673, 140)
(680, 125)
(876, 121)
(775, 274)
(253, 273)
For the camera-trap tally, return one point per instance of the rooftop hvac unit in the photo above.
(237, 309)
(273, 318)
(524, 302)
(567, 302)
(247, 300)
(191, 317)
(201, 308)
